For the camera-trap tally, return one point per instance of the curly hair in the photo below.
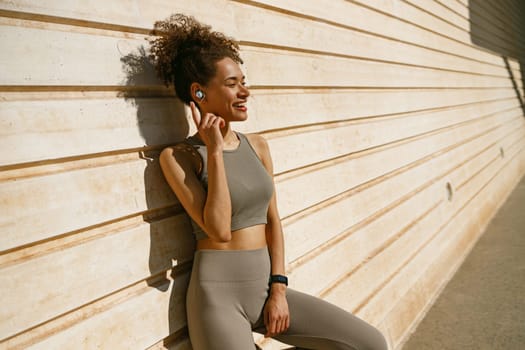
(185, 51)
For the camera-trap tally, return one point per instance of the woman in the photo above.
(224, 181)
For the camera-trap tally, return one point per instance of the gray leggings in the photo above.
(225, 300)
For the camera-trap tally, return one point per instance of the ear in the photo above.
(197, 92)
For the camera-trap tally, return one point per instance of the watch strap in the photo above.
(279, 279)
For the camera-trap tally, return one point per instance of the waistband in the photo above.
(231, 265)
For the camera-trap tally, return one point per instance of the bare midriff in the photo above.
(253, 237)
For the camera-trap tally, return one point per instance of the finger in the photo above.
(286, 324)
(204, 123)
(282, 325)
(222, 122)
(269, 329)
(208, 120)
(212, 122)
(219, 122)
(196, 114)
(266, 324)
(273, 326)
(278, 326)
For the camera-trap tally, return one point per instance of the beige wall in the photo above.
(371, 108)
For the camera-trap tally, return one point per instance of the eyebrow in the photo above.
(235, 78)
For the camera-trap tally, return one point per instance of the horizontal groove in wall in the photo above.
(297, 14)
(78, 92)
(364, 58)
(484, 149)
(318, 250)
(510, 135)
(158, 91)
(66, 320)
(363, 152)
(451, 10)
(413, 24)
(377, 87)
(171, 341)
(71, 21)
(124, 91)
(298, 129)
(126, 29)
(161, 92)
(65, 240)
(59, 95)
(410, 224)
(444, 20)
(91, 160)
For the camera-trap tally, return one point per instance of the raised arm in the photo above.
(211, 209)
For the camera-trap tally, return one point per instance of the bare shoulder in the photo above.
(181, 155)
(259, 143)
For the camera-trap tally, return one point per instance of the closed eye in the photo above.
(232, 85)
(233, 81)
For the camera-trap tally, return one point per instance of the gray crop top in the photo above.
(250, 185)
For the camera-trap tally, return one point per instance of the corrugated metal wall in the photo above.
(397, 129)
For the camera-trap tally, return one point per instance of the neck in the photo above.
(228, 135)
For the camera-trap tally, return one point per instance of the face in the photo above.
(226, 94)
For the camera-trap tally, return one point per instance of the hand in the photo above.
(209, 128)
(276, 314)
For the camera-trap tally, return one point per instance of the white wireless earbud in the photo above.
(199, 94)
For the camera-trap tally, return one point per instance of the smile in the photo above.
(240, 106)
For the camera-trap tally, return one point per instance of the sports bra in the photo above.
(250, 185)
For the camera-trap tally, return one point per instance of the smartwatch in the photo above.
(279, 279)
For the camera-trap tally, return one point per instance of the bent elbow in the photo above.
(224, 237)
(221, 235)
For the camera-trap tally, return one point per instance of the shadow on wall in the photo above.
(500, 27)
(161, 119)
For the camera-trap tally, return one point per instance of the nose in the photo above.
(244, 91)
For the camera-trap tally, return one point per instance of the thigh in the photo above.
(217, 326)
(221, 332)
(317, 324)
